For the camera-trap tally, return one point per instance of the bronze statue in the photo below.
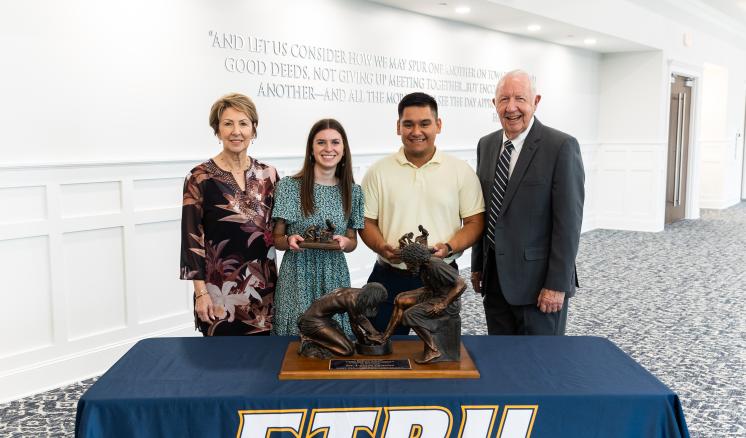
(322, 337)
(326, 235)
(311, 233)
(405, 240)
(422, 238)
(431, 311)
(320, 238)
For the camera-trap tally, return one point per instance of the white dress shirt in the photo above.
(517, 144)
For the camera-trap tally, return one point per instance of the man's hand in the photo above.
(390, 253)
(550, 301)
(441, 250)
(476, 282)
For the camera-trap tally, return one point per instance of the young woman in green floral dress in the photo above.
(324, 190)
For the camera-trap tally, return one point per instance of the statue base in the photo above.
(295, 367)
(330, 246)
(374, 350)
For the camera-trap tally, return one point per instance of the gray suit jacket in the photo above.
(537, 233)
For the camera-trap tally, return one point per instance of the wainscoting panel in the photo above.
(150, 194)
(94, 282)
(156, 286)
(27, 311)
(87, 199)
(630, 186)
(29, 204)
(715, 161)
(638, 199)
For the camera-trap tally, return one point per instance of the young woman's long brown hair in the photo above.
(343, 171)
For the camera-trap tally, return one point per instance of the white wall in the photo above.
(631, 155)
(135, 80)
(104, 110)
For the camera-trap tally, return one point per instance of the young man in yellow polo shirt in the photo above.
(418, 185)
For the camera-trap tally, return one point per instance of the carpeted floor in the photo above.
(674, 301)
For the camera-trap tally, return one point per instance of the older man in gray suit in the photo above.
(533, 183)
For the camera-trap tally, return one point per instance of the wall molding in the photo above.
(131, 209)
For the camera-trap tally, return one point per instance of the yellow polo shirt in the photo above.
(437, 195)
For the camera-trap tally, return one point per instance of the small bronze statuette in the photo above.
(406, 239)
(316, 237)
(322, 337)
(431, 311)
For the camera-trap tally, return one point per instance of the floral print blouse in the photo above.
(226, 240)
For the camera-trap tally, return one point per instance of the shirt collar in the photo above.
(518, 141)
(402, 159)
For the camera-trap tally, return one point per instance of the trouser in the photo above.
(504, 318)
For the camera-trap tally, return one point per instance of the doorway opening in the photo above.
(742, 137)
(678, 147)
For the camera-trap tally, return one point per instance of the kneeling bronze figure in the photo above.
(322, 337)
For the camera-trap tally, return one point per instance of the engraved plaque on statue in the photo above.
(369, 364)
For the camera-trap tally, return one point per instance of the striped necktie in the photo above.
(498, 190)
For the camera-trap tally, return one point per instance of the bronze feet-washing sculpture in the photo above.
(322, 337)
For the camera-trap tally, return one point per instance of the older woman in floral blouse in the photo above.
(227, 249)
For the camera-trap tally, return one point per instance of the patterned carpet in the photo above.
(674, 301)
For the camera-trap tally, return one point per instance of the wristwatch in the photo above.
(450, 249)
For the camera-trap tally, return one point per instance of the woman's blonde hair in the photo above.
(237, 101)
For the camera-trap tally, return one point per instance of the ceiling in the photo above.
(722, 18)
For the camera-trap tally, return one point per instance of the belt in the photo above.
(394, 269)
(406, 272)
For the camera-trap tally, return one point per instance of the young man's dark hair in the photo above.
(418, 99)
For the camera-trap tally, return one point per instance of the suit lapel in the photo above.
(530, 145)
(492, 154)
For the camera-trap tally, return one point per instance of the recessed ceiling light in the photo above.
(589, 41)
(462, 10)
(533, 28)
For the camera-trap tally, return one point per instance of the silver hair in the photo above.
(518, 72)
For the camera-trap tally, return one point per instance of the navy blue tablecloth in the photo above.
(199, 387)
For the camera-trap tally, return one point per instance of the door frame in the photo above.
(692, 187)
(742, 131)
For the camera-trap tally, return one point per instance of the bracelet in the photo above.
(202, 293)
(450, 249)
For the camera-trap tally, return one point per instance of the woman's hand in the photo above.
(293, 242)
(205, 309)
(345, 243)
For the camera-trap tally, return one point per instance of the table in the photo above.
(530, 387)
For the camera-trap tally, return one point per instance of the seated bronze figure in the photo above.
(322, 337)
(422, 238)
(433, 310)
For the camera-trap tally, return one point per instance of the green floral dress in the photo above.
(307, 275)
